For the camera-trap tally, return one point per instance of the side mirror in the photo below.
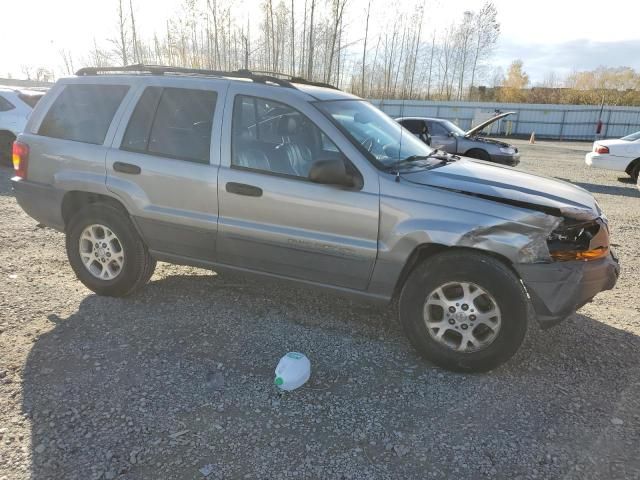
(332, 172)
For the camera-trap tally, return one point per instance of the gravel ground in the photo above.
(177, 381)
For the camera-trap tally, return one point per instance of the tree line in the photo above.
(391, 54)
(602, 86)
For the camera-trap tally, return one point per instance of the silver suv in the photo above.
(284, 178)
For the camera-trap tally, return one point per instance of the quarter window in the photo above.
(274, 137)
(5, 105)
(83, 113)
(172, 122)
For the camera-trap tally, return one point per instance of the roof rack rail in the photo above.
(296, 79)
(258, 76)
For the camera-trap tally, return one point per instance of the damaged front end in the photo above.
(581, 264)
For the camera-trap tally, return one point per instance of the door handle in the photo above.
(126, 168)
(243, 189)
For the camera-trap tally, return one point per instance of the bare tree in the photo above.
(487, 30)
(67, 60)
(364, 49)
(311, 40)
(122, 42)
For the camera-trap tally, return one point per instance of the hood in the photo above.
(510, 186)
(475, 130)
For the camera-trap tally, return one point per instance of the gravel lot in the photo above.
(179, 377)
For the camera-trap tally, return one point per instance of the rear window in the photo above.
(83, 113)
(30, 98)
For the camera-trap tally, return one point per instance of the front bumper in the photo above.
(510, 160)
(41, 202)
(558, 289)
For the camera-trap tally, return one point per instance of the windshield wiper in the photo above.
(443, 157)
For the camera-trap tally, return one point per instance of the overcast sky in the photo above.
(559, 35)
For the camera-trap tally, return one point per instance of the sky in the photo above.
(558, 35)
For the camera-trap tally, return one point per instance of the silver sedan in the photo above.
(447, 136)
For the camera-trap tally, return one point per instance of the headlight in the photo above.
(585, 241)
(508, 150)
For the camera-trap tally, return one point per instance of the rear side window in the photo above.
(83, 113)
(172, 122)
(5, 105)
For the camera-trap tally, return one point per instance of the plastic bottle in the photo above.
(293, 371)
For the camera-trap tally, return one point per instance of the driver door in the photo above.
(272, 218)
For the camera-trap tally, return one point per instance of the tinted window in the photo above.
(274, 137)
(414, 126)
(172, 122)
(5, 105)
(83, 113)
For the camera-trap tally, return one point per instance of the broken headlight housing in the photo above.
(579, 241)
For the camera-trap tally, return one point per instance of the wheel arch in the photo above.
(632, 164)
(75, 200)
(426, 250)
(477, 149)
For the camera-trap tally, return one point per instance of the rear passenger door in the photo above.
(164, 164)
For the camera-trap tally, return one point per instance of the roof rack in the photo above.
(295, 79)
(258, 76)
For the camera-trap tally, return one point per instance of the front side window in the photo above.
(438, 129)
(273, 137)
(380, 137)
(453, 128)
(83, 113)
(172, 122)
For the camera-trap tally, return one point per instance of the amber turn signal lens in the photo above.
(586, 255)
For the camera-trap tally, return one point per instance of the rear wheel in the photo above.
(105, 251)
(464, 311)
(6, 145)
(478, 153)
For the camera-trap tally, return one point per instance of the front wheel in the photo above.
(105, 251)
(464, 311)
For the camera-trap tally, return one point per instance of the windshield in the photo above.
(632, 138)
(453, 128)
(382, 138)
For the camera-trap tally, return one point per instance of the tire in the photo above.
(494, 345)
(479, 154)
(635, 171)
(6, 145)
(128, 268)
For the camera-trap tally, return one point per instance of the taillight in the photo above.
(601, 149)
(20, 159)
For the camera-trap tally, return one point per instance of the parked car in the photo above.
(291, 180)
(449, 137)
(621, 155)
(15, 107)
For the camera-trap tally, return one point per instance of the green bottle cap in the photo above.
(278, 381)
